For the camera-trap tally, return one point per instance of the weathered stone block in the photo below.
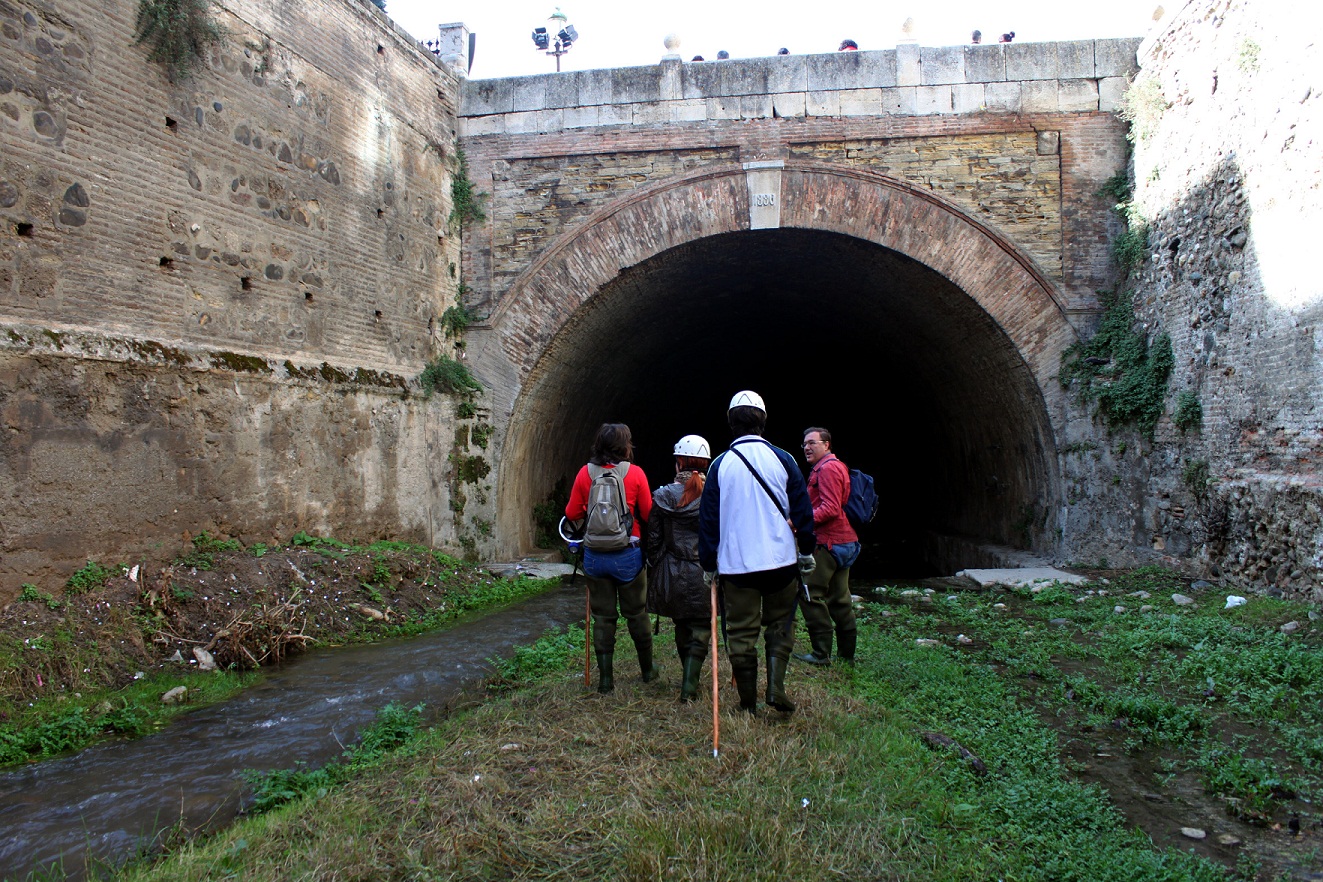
(985, 64)
(787, 73)
(909, 65)
(702, 79)
(595, 86)
(900, 101)
(790, 104)
(1075, 60)
(968, 97)
(942, 66)
(933, 99)
(1003, 97)
(636, 84)
(474, 126)
(479, 97)
(563, 91)
(1031, 61)
(1115, 58)
(724, 107)
(1110, 92)
(850, 70)
(861, 102)
(756, 106)
(1039, 96)
(689, 111)
(529, 93)
(823, 103)
(1077, 95)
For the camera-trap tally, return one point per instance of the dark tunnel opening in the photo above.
(917, 383)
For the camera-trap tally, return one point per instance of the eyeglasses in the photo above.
(811, 443)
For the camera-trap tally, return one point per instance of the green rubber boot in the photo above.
(776, 685)
(845, 645)
(606, 682)
(693, 670)
(746, 684)
(648, 669)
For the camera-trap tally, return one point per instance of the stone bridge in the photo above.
(897, 245)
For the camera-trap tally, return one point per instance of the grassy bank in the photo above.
(938, 760)
(93, 658)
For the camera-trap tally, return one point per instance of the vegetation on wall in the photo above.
(445, 374)
(1142, 106)
(466, 201)
(1130, 247)
(1119, 369)
(1189, 412)
(179, 33)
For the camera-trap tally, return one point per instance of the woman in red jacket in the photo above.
(617, 581)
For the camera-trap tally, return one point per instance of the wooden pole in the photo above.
(588, 637)
(716, 719)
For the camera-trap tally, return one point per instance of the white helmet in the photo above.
(693, 445)
(747, 399)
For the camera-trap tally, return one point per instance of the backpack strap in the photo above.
(768, 490)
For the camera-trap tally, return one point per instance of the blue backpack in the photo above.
(861, 507)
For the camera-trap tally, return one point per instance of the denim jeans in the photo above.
(845, 553)
(623, 566)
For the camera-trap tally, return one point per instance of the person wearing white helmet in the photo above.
(675, 580)
(755, 527)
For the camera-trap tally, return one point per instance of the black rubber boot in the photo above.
(746, 684)
(820, 648)
(776, 685)
(845, 644)
(648, 669)
(693, 670)
(606, 682)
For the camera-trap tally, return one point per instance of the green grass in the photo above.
(549, 780)
(66, 722)
(89, 577)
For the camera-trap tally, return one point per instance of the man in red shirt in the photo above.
(828, 608)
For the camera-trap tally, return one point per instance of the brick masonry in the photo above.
(213, 293)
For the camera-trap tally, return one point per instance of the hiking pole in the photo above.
(572, 541)
(716, 684)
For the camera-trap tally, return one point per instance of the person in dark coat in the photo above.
(676, 588)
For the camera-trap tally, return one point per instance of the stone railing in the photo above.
(1080, 76)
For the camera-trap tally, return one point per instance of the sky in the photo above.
(613, 33)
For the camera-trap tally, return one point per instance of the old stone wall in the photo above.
(214, 293)
(1228, 166)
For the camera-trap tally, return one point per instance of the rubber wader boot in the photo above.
(746, 684)
(820, 644)
(845, 644)
(605, 681)
(776, 685)
(693, 669)
(646, 666)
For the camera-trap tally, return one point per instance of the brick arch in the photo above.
(517, 345)
(893, 214)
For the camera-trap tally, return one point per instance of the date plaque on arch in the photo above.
(764, 193)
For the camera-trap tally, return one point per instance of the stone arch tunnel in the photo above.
(936, 388)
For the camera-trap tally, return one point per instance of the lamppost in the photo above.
(557, 37)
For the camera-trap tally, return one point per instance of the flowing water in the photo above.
(109, 802)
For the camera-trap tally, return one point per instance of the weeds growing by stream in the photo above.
(549, 780)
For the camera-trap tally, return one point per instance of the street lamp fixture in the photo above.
(557, 37)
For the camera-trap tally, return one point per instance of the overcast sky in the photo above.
(621, 34)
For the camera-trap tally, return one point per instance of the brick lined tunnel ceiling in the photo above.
(917, 383)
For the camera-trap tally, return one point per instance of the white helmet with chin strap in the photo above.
(693, 445)
(747, 399)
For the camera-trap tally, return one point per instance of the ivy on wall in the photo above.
(179, 34)
(1120, 369)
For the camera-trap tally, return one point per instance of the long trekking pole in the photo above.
(587, 637)
(716, 719)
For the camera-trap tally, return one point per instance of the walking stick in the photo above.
(716, 719)
(572, 540)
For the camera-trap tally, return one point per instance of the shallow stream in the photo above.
(110, 802)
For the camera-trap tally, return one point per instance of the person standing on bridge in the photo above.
(676, 588)
(754, 512)
(828, 607)
(621, 502)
